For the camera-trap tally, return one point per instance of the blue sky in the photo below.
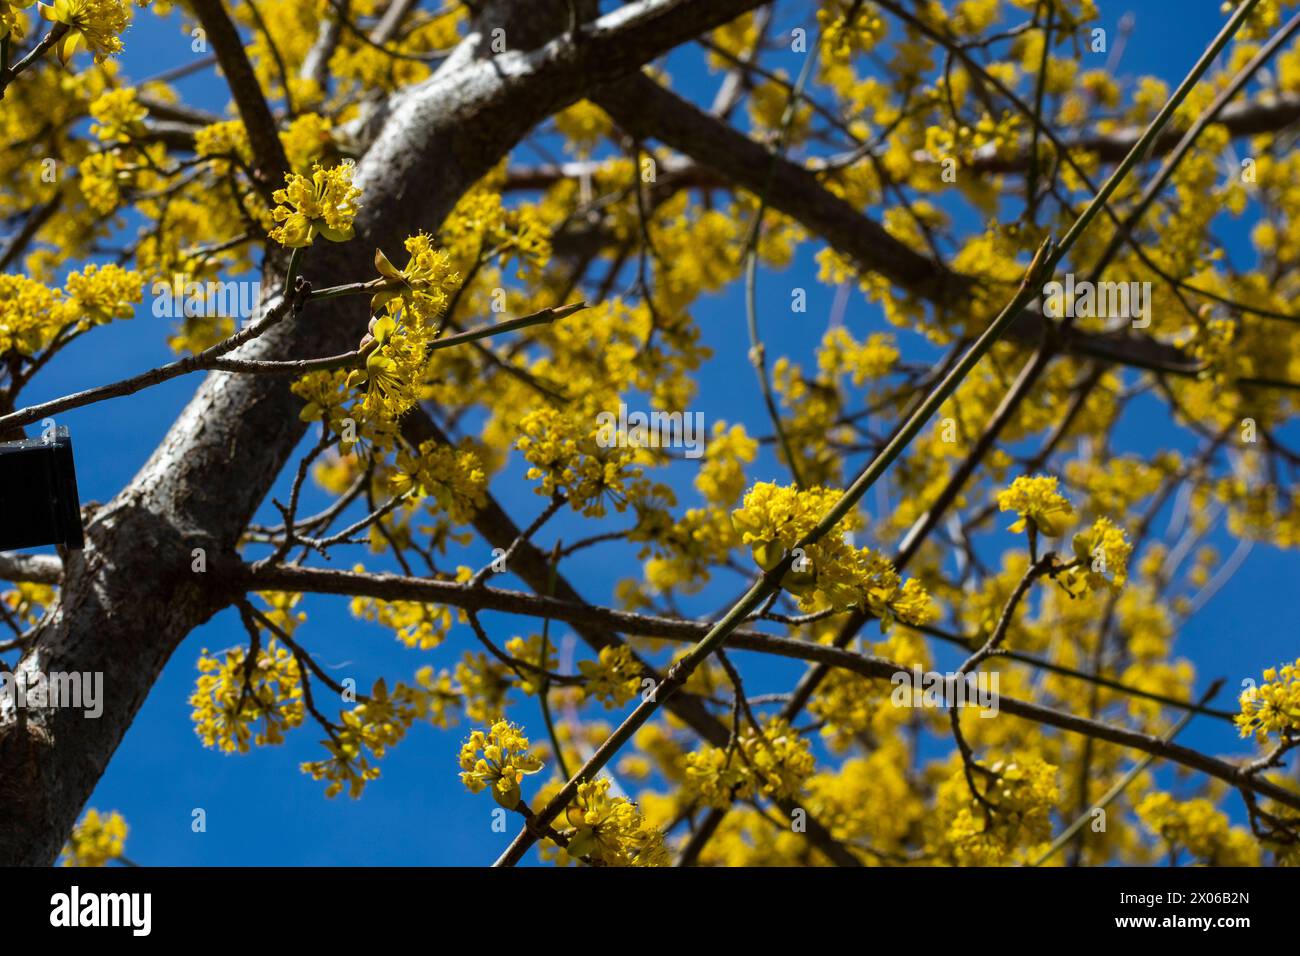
(261, 810)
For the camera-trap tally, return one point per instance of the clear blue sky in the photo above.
(262, 810)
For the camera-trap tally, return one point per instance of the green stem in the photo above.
(291, 276)
(351, 288)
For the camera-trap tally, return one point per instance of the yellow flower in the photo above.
(568, 457)
(29, 600)
(308, 140)
(323, 205)
(96, 840)
(1273, 706)
(231, 696)
(102, 178)
(775, 763)
(118, 116)
(498, 759)
(325, 394)
(453, 477)
(1197, 827)
(10, 24)
(842, 35)
(224, 140)
(30, 314)
(611, 830)
(417, 625)
(424, 285)
(1037, 502)
(614, 678)
(391, 370)
(100, 294)
(865, 361)
(831, 572)
(1025, 792)
(1103, 554)
(583, 125)
(721, 478)
(97, 23)
(380, 721)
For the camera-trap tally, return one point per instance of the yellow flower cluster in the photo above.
(813, 422)
(95, 840)
(101, 178)
(1102, 552)
(721, 478)
(567, 459)
(869, 800)
(498, 759)
(611, 831)
(280, 609)
(1197, 827)
(481, 224)
(98, 24)
(308, 140)
(1038, 503)
(1215, 345)
(851, 707)
(416, 624)
(100, 294)
(537, 652)
(30, 314)
(375, 724)
(325, 398)
(775, 763)
(426, 283)
(963, 142)
(830, 573)
(614, 678)
(392, 369)
(118, 116)
(485, 684)
(686, 552)
(233, 695)
(223, 141)
(11, 23)
(453, 477)
(324, 204)
(583, 125)
(1024, 794)
(843, 34)
(28, 601)
(1274, 706)
(840, 354)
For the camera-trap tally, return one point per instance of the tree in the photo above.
(375, 171)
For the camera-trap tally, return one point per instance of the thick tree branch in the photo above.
(37, 568)
(646, 109)
(263, 138)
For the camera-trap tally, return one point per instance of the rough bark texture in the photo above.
(131, 596)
